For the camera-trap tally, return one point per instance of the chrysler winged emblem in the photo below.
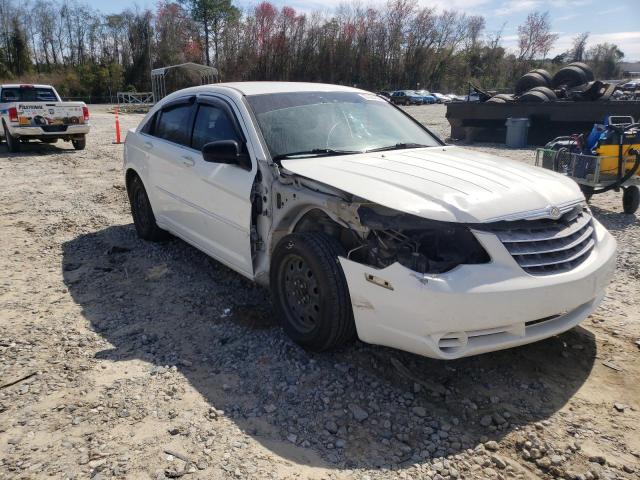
(554, 212)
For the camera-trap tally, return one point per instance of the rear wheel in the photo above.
(142, 213)
(309, 291)
(13, 144)
(631, 199)
(79, 143)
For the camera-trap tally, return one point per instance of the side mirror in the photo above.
(226, 151)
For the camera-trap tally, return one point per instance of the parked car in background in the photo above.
(385, 93)
(406, 97)
(441, 98)
(427, 97)
(36, 112)
(362, 222)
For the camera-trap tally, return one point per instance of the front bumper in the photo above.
(70, 130)
(475, 309)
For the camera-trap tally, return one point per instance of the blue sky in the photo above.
(613, 21)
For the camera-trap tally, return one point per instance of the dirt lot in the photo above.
(153, 361)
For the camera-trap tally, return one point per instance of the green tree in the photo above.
(20, 58)
(214, 16)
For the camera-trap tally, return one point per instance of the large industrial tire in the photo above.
(551, 95)
(13, 144)
(569, 77)
(533, 97)
(309, 291)
(631, 199)
(585, 68)
(530, 80)
(496, 100)
(142, 213)
(544, 74)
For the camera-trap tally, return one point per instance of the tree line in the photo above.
(88, 53)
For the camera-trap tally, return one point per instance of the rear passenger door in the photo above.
(167, 141)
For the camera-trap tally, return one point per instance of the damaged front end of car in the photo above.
(420, 244)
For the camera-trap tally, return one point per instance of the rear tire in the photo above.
(79, 143)
(13, 144)
(142, 213)
(309, 291)
(631, 199)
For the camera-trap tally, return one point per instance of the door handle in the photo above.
(148, 145)
(188, 161)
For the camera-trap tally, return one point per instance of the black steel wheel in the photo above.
(142, 213)
(631, 199)
(309, 291)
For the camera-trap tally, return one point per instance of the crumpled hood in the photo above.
(442, 183)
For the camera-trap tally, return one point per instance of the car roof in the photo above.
(18, 85)
(258, 88)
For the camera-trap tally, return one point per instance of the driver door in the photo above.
(218, 196)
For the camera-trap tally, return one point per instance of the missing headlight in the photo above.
(422, 245)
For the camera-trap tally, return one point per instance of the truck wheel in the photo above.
(142, 213)
(309, 291)
(631, 199)
(551, 95)
(79, 143)
(13, 144)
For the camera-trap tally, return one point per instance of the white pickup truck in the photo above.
(36, 112)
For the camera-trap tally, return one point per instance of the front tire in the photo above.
(309, 291)
(79, 143)
(13, 143)
(142, 213)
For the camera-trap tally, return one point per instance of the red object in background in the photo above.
(13, 114)
(117, 126)
(85, 113)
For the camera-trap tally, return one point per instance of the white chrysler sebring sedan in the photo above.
(362, 222)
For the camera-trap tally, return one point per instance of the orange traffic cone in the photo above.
(118, 141)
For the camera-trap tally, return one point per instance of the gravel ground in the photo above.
(139, 360)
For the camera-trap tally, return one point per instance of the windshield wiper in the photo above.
(397, 146)
(316, 152)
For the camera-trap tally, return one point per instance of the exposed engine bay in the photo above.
(422, 245)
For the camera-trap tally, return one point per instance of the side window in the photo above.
(212, 124)
(150, 127)
(174, 124)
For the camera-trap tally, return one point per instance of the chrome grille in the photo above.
(543, 247)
